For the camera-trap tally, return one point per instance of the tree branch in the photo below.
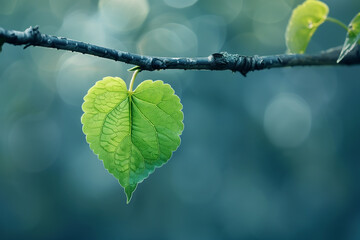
(217, 61)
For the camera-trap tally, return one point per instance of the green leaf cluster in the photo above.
(305, 20)
(133, 132)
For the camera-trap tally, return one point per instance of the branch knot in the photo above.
(236, 62)
(33, 35)
(157, 64)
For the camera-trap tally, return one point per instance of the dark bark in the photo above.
(216, 61)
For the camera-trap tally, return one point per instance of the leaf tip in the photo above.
(129, 190)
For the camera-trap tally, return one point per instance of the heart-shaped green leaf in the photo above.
(133, 132)
(352, 37)
(304, 21)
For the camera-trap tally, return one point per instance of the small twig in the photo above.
(216, 61)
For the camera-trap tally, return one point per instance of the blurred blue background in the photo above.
(274, 155)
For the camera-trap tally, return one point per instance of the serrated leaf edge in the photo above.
(97, 153)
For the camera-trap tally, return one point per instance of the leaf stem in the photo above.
(133, 79)
(338, 22)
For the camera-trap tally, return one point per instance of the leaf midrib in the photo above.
(130, 96)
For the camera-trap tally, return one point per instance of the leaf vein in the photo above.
(153, 125)
(157, 107)
(106, 116)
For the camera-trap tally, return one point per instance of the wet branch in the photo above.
(216, 61)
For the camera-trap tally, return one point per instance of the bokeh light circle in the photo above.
(168, 40)
(180, 4)
(123, 15)
(287, 120)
